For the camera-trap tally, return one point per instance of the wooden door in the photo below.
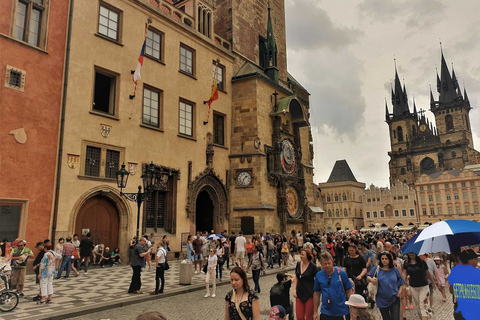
(100, 216)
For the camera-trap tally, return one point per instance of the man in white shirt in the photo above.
(240, 248)
(160, 272)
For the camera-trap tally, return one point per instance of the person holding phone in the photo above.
(137, 263)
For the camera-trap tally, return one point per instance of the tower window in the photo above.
(399, 133)
(427, 166)
(449, 122)
(402, 171)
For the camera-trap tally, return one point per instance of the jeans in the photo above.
(256, 278)
(392, 312)
(279, 256)
(86, 263)
(66, 263)
(136, 283)
(159, 276)
(270, 258)
(219, 270)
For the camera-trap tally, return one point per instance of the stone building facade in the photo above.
(342, 199)
(390, 208)
(421, 147)
(32, 58)
(451, 194)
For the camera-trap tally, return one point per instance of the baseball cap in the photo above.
(277, 312)
(467, 255)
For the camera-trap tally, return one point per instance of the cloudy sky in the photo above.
(343, 52)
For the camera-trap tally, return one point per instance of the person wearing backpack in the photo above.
(280, 293)
(270, 251)
(257, 265)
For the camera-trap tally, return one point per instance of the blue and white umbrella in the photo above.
(444, 236)
(214, 237)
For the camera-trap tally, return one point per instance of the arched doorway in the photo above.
(204, 212)
(100, 216)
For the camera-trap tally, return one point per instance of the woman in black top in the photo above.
(303, 285)
(415, 271)
(356, 268)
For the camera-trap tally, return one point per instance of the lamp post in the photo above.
(148, 178)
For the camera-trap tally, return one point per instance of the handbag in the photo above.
(220, 260)
(165, 265)
(204, 268)
(373, 288)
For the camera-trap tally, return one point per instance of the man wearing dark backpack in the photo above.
(280, 293)
(257, 265)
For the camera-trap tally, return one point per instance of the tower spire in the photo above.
(399, 97)
(387, 114)
(447, 89)
(271, 50)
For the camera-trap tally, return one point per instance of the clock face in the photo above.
(244, 179)
(423, 127)
(288, 156)
(292, 202)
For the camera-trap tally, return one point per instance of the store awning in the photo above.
(403, 228)
(317, 209)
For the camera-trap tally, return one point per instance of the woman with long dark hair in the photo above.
(390, 286)
(305, 273)
(241, 300)
(356, 268)
(416, 271)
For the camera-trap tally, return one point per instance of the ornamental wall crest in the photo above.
(105, 129)
(132, 168)
(209, 181)
(72, 160)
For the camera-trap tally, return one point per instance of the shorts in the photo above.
(18, 276)
(197, 256)
(430, 286)
(240, 254)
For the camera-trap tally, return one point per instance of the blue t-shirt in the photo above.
(367, 255)
(334, 290)
(388, 284)
(465, 281)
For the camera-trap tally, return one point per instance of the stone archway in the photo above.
(208, 183)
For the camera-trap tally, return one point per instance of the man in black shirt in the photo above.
(280, 293)
(36, 266)
(86, 248)
(232, 239)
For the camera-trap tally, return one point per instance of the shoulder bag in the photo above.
(372, 288)
(237, 306)
(165, 265)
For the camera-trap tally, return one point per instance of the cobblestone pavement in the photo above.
(106, 289)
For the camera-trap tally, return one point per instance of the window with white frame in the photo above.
(458, 210)
(382, 214)
(475, 208)
(187, 60)
(31, 21)
(154, 44)
(104, 96)
(432, 211)
(404, 212)
(412, 213)
(220, 75)
(109, 22)
(15, 78)
(439, 210)
(450, 210)
(467, 209)
(375, 214)
(396, 213)
(186, 119)
(449, 196)
(368, 214)
(151, 107)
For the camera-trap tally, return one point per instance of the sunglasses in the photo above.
(329, 280)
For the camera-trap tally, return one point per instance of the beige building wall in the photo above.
(390, 208)
(139, 144)
(342, 205)
(449, 195)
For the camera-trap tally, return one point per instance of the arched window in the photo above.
(329, 213)
(368, 214)
(403, 172)
(399, 133)
(449, 122)
(336, 197)
(328, 198)
(337, 213)
(344, 197)
(427, 165)
(345, 212)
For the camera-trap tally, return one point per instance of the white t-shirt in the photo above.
(211, 261)
(161, 254)
(240, 243)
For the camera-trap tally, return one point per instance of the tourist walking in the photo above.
(20, 255)
(46, 273)
(197, 253)
(356, 269)
(220, 252)
(417, 272)
(333, 285)
(137, 263)
(240, 248)
(442, 271)
(358, 308)
(190, 256)
(258, 265)
(390, 286)
(241, 303)
(210, 274)
(67, 254)
(59, 250)
(305, 273)
(86, 248)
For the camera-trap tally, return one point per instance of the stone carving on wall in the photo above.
(19, 135)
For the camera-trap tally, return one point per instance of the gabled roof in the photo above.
(341, 172)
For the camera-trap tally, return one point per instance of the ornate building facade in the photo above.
(417, 145)
(390, 208)
(342, 199)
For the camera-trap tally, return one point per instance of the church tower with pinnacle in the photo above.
(419, 146)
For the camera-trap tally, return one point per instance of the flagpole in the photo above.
(147, 24)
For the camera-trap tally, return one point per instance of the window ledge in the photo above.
(84, 177)
(220, 146)
(155, 59)
(23, 43)
(186, 137)
(150, 127)
(109, 39)
(222, 90)
(187, 74)
(106, 115)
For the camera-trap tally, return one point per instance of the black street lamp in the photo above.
(148, 178)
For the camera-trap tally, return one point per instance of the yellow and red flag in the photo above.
(214, 94)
